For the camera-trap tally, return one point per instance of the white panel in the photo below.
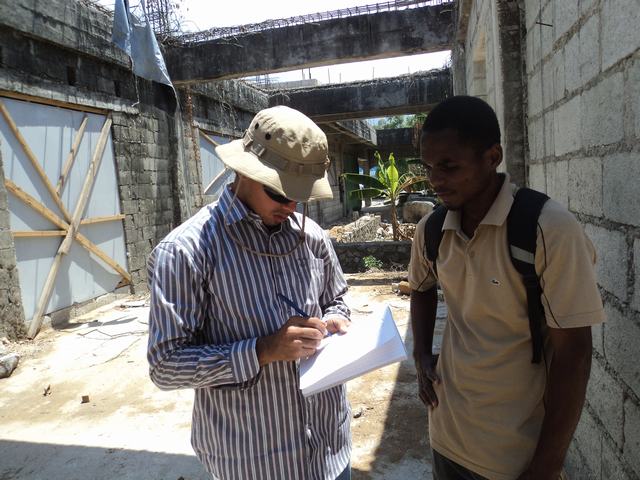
(212, 166)
(50, 132)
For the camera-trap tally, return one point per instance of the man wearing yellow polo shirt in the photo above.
(493, 414)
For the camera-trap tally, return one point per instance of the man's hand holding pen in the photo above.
(299, 337)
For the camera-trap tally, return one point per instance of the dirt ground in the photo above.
(80, 404)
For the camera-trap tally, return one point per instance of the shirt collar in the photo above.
(232, 210)
(497, 213)
(235, 211)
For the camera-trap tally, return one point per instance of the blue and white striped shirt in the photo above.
(210, 301)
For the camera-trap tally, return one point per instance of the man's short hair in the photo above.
(473, 119)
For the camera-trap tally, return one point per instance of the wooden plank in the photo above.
(52, 102)
(34, 161)
(94, 166)
(109, 218)
(36, 320)
(52, 217)
(65, 246)
(209, 139)
(39, 233)
(72, 155)
(35, 204)
(224, 172)
(93, 248)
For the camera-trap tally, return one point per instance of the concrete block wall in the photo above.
(11, 312)
(583, 123)
(393, 255)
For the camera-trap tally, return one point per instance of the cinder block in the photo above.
(588, 440)
(611, 464)
(631, 450)
(536, 139)
(622, 346)
(558, 180)
(605, 396)
(572, 64)
(601, 117)
(548, 85)
(620, 32)
(612, 263)
(590, 49)
(622, 199)
(634, 97)
(585, 5)
(597, 337)
(534, 92)
(537, 179)
(585, 186)
(557, 65)
(566, 127)
(531, 11)
(635, 301)
(565, 14)
(546, 32)
(549, 142)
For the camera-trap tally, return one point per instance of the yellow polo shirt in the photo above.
(490, 408)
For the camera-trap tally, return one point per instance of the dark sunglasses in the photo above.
(276, 197)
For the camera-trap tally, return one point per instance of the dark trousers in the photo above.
(445, 469)
(346, 473)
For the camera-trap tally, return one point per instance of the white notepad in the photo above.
(369, 344)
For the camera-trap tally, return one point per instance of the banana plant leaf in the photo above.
(366, 180)
(365, 193)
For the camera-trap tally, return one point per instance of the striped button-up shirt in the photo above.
(210, 301)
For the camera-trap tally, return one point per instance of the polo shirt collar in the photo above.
(497, 213)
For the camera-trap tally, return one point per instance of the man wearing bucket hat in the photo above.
(218, 323)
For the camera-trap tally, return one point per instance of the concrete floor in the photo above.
(130, 430)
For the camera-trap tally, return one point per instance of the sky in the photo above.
(204, 14)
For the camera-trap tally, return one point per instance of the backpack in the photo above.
(522, 223)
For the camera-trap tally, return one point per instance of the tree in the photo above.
(388, 182)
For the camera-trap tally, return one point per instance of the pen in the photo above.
(300, 312)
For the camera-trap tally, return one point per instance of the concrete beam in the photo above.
(376, 98)
(403, 142)
(360, 37)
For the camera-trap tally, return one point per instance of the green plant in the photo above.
(371, 262)
(388, 182)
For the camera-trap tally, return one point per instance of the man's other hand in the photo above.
(338, 324)
(427, 377)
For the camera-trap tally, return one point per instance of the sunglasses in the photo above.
(276, 197)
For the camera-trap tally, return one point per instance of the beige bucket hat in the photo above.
(284, 150)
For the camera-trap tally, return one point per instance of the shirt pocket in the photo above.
(307, 284)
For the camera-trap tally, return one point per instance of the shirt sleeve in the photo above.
(565, 259)
(421, 276)
(335, 286)
(176, 359)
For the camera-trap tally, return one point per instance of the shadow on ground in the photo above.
(45, 461)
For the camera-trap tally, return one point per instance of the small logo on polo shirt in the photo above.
(495, 282)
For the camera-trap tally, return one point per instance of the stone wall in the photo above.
(393, 255)
(583, 120)
(11, 313)
(363, 229)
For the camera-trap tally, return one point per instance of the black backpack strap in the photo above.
(522, 232)
(433, 234)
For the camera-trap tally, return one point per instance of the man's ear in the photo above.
(494, 155)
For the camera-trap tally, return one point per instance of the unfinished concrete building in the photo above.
(80, 133)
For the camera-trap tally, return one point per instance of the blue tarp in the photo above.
(135, 37)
